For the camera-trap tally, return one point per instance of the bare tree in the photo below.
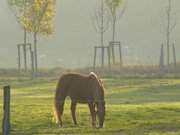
(168, 27)
(117, 9)
(36, 21)
(35, 16)
(100, 21)
(18, 8)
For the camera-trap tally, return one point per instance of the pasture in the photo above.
(135, 106)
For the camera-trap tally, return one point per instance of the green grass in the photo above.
(135, 106)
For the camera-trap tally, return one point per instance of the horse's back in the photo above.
(76, 86)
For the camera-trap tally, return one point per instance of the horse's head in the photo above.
(98, 88)
(101, 105)
(101, 113)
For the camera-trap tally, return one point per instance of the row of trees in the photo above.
(36, 17)
(112, 10)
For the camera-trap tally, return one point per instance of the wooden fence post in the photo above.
(6, 111)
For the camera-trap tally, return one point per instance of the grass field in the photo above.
(135, 106)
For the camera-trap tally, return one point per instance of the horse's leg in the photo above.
(93, 113)
(73, 111)
(61, 112)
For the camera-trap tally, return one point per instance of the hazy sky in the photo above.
(140, 30)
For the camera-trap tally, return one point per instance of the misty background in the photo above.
(140, 30)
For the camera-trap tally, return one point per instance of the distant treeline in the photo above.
(116, 70)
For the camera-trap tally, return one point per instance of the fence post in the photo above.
(6, 111)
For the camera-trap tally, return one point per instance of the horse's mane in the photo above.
(95, 77)
(93, 74)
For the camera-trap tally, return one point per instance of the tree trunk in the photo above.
(32, 65)
(35, 54)
(174, 55)
(120, 55)
(102, 33)
(168, 34)
(24, 49)
(19, 59)
(109, 58)
(114, 29)
(113, 38)
(161, 64)
(94, 62)
(168, 42)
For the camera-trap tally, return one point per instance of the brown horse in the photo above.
(81, 89)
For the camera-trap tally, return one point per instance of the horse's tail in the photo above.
(57, 105)
(56, 112)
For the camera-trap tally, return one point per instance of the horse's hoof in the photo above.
(59, 126)
(100, 127)
(94, 127)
